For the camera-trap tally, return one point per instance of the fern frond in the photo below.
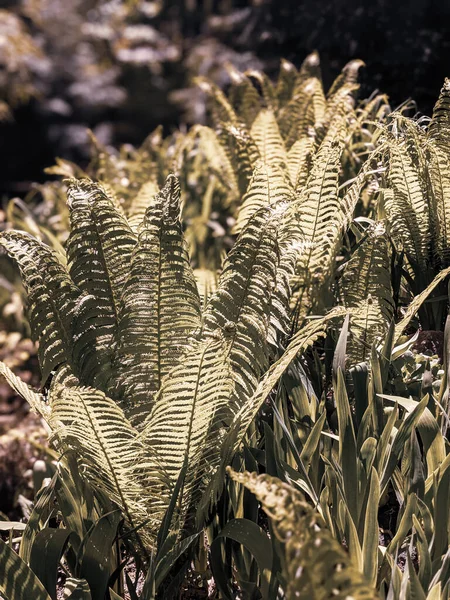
(139, 204)
(34, 399)
(366, 292)
(99, 251)
(303, 112)
(410, 205)
(106, 445)
(268, 186)
(315, 565)
(206, 284)
(349, 75)
(439, 127)
(300, 161)
(160, 305)
(243, 298)
(267, 138)
(439, 179)
(310, 67)
(322, 217)
(190, 412)
(243, 95)
(52, 298)
(269, 96)
(222, 111)
(286, 82)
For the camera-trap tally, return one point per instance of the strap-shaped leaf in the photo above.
(51, 298)
(315, 565)
(17, 580)
(268, 186)
(160, 305)
(99, 252)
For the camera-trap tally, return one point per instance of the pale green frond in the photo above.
(322, 217)
(243, 95)
(34, 399)
(303, 112)
(409, 195)
(267, 138)
(269, 96)
(300, 161)
(310, 67)
(209, 148)
(206, 284)
(439, 179)
(51, 296)
(366, 291)
(415, 305)
(140, 203)
(340, 106)
(99, 252)
(349, 75)
(286, 82)
(439, 127)
(268, 185)
(160, 305)
(301, 341)
(222, 111)
(244, 154)
(107, 448)
(314, 564)
(243, 299)
(191, 412)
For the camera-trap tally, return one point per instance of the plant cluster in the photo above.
(230, 394)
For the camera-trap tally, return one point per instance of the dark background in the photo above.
(404, 43)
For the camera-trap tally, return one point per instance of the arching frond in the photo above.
(222, 111)
(315, 565)
(52, 298)
(321, 216)
(303, 111)
(439, 178)
(243, 95)
(439, 127)
(106, 445)
(408, 195)
(243, 298)
(349, 75)
(269, 95)
(286, 82)
(160, 305)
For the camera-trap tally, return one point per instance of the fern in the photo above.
(315, 565)
(160, 305)
(366, 292)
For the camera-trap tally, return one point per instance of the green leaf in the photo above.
(17, 580)
(252, 537)
(48, 548)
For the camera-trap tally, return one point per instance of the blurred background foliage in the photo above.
(122, 67)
